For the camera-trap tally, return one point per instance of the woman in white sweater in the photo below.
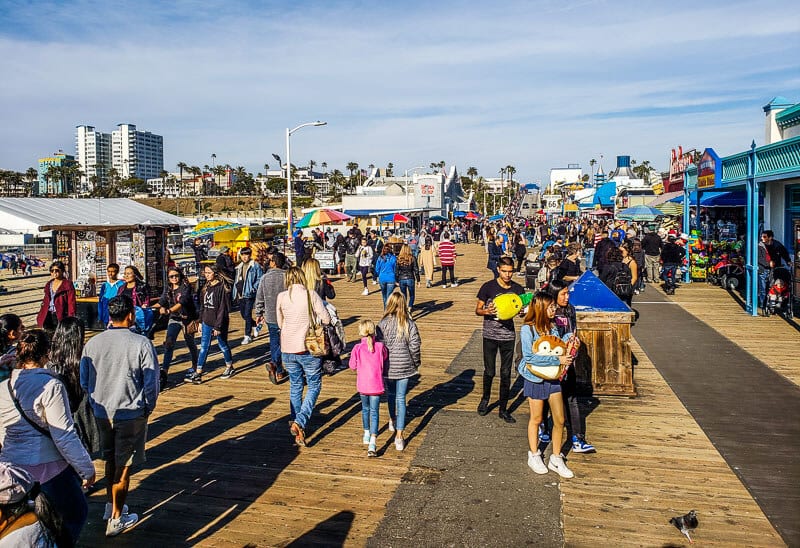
(37, 433)
(292, 310)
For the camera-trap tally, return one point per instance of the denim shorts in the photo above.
(541, 390)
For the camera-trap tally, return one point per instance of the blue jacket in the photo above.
(527, 336)
(250, 286)
(384, 268)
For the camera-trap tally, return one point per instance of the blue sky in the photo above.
(534, 84)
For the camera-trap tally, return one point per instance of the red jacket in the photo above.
(64, 300)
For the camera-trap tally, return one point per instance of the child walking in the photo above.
(367, 358)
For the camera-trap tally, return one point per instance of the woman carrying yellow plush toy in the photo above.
(545, 358)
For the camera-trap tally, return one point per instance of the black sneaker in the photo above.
(506, 416)
(162, 379)
(228, 373)
(483, 408)
(197, 378)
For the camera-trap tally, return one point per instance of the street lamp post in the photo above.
(289, 172)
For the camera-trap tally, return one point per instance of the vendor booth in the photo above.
(88, 234)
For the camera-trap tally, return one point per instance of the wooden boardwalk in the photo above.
(222, 470)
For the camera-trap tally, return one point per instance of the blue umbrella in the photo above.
(437, 218)
(639, 213)
(498, 217)
(459, 214)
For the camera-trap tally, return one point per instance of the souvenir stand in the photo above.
(138, 239)
(604, 328)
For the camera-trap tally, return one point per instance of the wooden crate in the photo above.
(606, 339)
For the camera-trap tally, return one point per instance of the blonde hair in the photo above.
(366, 328)
(294, 276)
(405, 257)
(313, 274)
(396, 307)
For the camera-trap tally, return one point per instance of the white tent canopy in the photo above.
(36, 215)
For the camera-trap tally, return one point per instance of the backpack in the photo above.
(623, 282)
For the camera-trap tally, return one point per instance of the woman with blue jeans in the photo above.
(215, 310)
(293, 309)
(384, 269)
(406, 271)
(177, 301)
(398, 332)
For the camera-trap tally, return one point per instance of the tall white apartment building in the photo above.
(136, 153)
(131, 152)
(93, 154)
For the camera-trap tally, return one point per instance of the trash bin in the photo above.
(532, 268)
(604, 328)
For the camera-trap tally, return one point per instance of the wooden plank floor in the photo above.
(222, 470)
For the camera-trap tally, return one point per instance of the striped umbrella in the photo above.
(670, 208)
(321, 217)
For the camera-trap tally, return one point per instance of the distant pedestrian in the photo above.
(446, 251)
(367, 359)
(215, 309)
(671, 257)
(385, 272)
(119, 371)
(177, 302)
(398, 331)
(364, 255)
(11, 329)
(247, 277)
(407, 274)
(108, 290)
(652, 245)
(426, 258)
(59, 298)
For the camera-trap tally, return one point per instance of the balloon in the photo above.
(508, 305)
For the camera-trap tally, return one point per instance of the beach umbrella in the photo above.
(639, 213)
(394, 218)
(437, 218)
(459, 214)
(498, 217)
(600, 212)
(321, 217)
(472, 216)
(670, 208)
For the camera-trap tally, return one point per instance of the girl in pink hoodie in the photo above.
(367, 358)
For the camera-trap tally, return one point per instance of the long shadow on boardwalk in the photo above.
(331, 532)
(194, 499)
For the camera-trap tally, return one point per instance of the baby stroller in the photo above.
(780, 293)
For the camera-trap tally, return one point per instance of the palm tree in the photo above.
(182, 166)
(472, 173)
(197, 172)
(32, 175)
(324, 166)
(390, 169)
(351, 167)
(511, 170)
(592, 162)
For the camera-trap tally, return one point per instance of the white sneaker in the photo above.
(391, 425)
(110, 509)
(399, 443)
(366, 437)
(374, 282)
(246, 339)
(558, 466)
(454, 284)
(536, 463)
(254, 334)
(444, 286)
(365, 292)
(116, 526)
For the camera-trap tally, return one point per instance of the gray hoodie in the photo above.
(119, 372)
(272, 283)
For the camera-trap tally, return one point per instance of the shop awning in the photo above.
(736, 198)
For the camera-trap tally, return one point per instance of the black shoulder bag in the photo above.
(41, 430)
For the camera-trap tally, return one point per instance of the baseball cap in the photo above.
(15, 483)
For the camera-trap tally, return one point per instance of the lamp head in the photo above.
(318, 123)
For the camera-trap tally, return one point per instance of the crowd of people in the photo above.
(65, 402)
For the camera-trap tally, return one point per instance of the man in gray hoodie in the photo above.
(272, 283)
(119, 372)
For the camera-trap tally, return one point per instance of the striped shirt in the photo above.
(447, 252)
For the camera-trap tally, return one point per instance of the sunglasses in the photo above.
(174, 276)
(55, 270)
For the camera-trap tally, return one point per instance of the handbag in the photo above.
(315, 336)
(192, 327)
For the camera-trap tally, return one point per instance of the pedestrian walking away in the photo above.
(498, 336)
(401, 336)
(294, 309)
(367, 359)
(119, 372)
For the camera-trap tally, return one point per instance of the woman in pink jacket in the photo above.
(367, 358)
(292, 311)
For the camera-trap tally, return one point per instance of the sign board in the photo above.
(326, 260)
(426, 189)
(707, 170)
(680, 162)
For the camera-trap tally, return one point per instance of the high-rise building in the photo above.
(93, 153)
(59, 182)
(136, 153)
